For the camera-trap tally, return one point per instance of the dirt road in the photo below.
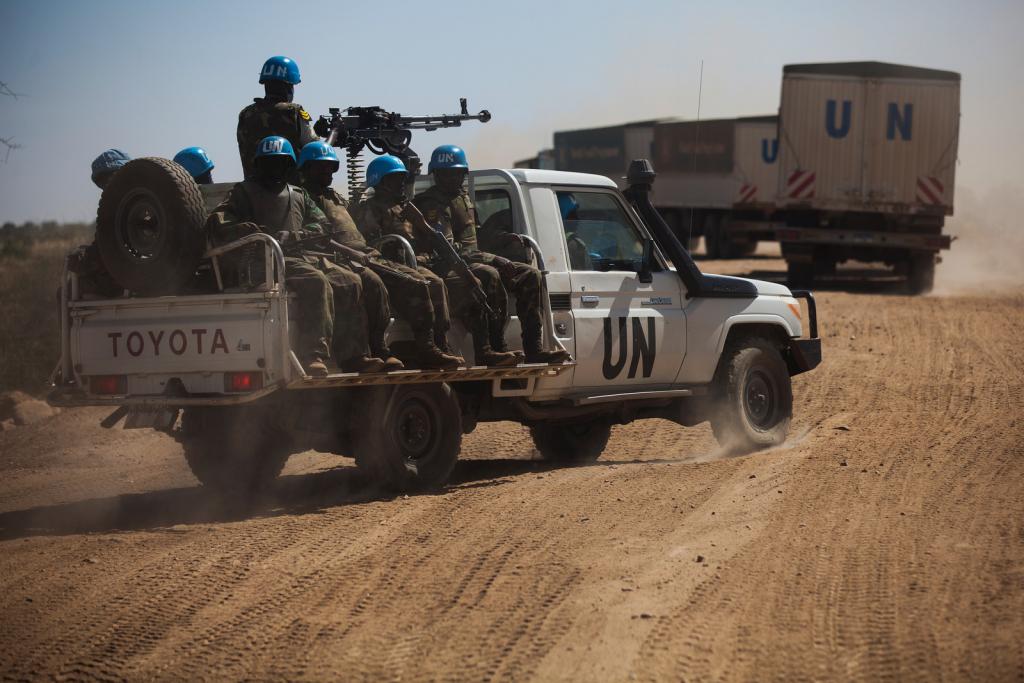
(884, 541)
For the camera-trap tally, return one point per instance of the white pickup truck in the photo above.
(650, 335)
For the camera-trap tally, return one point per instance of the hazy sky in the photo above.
(154, 77)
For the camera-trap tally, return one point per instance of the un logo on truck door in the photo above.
(644, 348)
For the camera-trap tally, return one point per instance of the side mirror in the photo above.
(645, 275)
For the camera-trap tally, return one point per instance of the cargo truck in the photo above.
(859, 165)
(867, 159)
(716, 178)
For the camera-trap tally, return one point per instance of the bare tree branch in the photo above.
(6, 90)
(10, 144)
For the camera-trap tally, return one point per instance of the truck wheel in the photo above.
(576, 442)
(754, 397)
(233, 450)
(149, 226)
(921, 273)
(799, 275)
(408, 437)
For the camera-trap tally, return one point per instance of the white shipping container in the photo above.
(756, 162)
(868, 136)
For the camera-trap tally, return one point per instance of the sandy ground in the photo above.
(884, 541)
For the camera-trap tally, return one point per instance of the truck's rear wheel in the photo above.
(575, 442)
(408, 437)
(149, 226)
(921, 273)
(753, 397)
(233, 450)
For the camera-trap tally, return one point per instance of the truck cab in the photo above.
(631, 321)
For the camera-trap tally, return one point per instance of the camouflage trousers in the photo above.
(485, 329)
(330, 316)
(376, 304)
(418, 296)
(525, 283)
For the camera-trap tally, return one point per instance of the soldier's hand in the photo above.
(285, 236)
(505, 267)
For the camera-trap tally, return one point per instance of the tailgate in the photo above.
(192, 338)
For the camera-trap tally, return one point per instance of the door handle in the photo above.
(590, 300)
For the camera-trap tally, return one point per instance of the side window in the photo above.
(494, 210)
(598, 232)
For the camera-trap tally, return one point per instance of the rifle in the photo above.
(327, 242)
(446, 254)
(382, 132)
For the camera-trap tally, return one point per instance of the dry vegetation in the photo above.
(31, 259)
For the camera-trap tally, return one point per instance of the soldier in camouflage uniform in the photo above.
(330, 316)
(94, 280)
(419, 295)
(447, 204)
(318, 163)
(274, 114)
(385, 213)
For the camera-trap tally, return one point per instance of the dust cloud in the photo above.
(988, 253)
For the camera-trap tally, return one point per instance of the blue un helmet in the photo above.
(448, 156)
(280, 69)
(318, 151)
(567, 204)
(382, 166)
(195, 160)
(274, 146)
(106, 163)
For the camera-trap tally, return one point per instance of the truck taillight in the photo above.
(242, 381)
(108, 384)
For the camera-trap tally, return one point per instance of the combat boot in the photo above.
(391, 363)
(535, 352)
(548, 357)
(428, 356)
(495, 359)
(362, 364)
(316, 367)
(484, 353)
(499, 344)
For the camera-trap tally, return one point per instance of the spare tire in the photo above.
(149, 228)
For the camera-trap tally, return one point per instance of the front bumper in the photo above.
(805, 354)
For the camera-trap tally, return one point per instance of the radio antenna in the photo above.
(696, 139)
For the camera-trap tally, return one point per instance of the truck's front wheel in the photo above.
(754, 397)
(576, 442)
(234, 451)
(408, 437)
